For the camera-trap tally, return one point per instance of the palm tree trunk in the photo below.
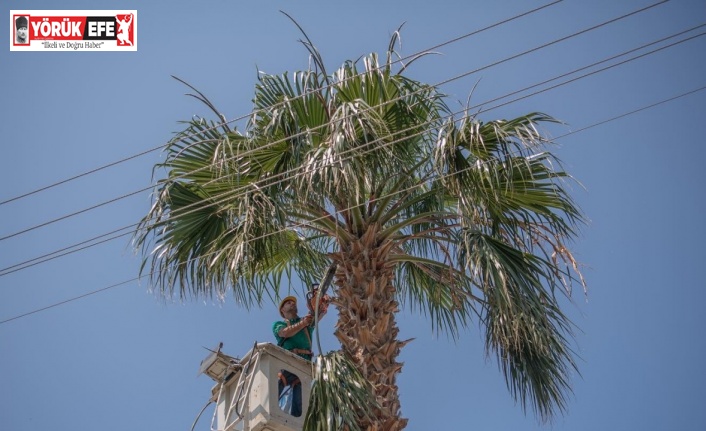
(366, 324)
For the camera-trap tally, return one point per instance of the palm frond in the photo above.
(525, 327)
(203, 99)
(340, 395)
(438, 291)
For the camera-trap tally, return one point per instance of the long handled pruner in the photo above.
(318, 293)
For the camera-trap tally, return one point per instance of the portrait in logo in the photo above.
(124, 29)
(21, 30)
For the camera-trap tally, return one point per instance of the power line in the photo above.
(400, 60)
(65, 251)
(572, 35)
(75, 177)
(600, 70)
(150, 274)
(607, 60)
(635, 111)
(234, 193)
(496, 25)
(302, 133)
(38, 310)
(64, 217)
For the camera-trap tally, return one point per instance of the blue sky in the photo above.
(123, 359)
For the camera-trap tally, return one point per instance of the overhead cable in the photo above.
(635, 111)
(83, 245)
(554, 42)
(75, 298)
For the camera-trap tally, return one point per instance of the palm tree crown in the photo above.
(415, 206)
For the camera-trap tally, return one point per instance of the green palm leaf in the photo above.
(340, 395)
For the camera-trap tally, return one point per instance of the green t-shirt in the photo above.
(300, 340)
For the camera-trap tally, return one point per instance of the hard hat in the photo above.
(289, 298)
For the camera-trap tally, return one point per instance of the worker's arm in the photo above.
(289, 331)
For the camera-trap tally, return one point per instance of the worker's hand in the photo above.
(308, 319)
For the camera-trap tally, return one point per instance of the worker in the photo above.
(293, 334)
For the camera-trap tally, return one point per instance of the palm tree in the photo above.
(371, 173)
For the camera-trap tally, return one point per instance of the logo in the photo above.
(73, 30)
